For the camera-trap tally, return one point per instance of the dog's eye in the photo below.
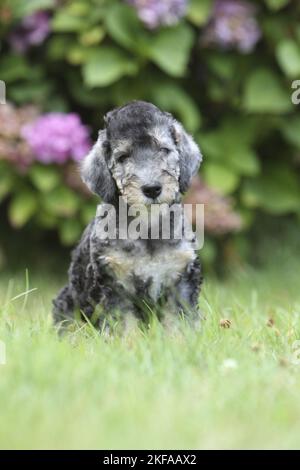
(165, 150)
(123, 157)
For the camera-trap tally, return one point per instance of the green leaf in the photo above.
(45, 178)
(106, 65)
(288, 56)
(171, 97)
(88, 211)
(5, 187)
(21, 8)
(61, 201)
(46, 220)
(69, 231)
(211, 144)
(58, 46)
(30, 92)
(170, 49)
(69, 19)
(199, 11)
(13, 67)
(243, 160)
(231, 146)
(277, 191)
(125, 28)
(264, 94)
(79, 8)
(92, 36)
(291, 131)
(220, 178)
(77, 54)
(276, 4)
(22, 208)
(222, 65)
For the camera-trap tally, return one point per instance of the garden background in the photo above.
(225, 68)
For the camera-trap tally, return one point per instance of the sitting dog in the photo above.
(143, 156)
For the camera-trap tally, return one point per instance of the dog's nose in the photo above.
(152, 190)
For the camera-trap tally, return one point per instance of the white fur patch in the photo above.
(163, 267)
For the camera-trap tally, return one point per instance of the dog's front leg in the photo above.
(182, 301)
(125, 324)
(176, 311)
(72, 298)
(63, 307)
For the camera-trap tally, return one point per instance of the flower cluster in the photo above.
(155, 13)
(57, 137)
(233, 25)
(31, 31)
(12, 146)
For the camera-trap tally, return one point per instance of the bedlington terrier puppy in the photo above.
(143, 157)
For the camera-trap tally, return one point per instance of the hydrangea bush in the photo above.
(224, 67)
(57, 137)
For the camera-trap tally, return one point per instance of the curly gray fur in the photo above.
(141, 146)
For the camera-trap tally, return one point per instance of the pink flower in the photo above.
(233, 25)
(155, 13)
(57, 137)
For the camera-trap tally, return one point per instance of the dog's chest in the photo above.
(157, 270)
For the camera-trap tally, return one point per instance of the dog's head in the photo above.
(143, 155)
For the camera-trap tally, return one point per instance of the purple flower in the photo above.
(155, 13)
(32, 31)
(233, 25)
(57, 137)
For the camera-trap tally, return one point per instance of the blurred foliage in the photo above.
(100, 55)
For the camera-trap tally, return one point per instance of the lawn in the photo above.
(235, 387)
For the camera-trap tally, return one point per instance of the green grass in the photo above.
(218, 388)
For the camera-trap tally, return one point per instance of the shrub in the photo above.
(224, 68)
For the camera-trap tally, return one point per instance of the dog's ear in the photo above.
(95, 172)
(189, 155)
